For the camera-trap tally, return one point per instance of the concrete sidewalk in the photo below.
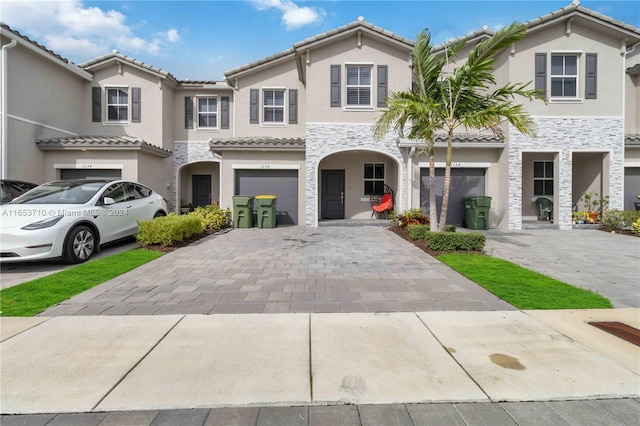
(130, 364)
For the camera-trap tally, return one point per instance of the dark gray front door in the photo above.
(201, 190)
(464, 183)
(332, 204)
(281, 183)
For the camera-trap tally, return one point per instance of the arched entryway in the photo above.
(346, 180)
(198, 184)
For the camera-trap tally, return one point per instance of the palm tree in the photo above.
(442, 101)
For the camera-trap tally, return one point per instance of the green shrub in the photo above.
(409, 217)
(615, 220)
(168, 230)
(449, 228)
(454, 241)
(418, 232)
(212, 216)
(635, 226)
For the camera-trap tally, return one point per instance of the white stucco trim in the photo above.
(632, 163)
(89, 166)
(266, 166)
(46, 126)
(456, 165)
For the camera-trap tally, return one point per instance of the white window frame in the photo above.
(274, 106)
(373, 178)
(564, 76)
(543, 178)
(107, 105)
(198, 112)
(358, 86)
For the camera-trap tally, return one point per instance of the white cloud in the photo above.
(80, 31)
(293, 16)
(173, 36)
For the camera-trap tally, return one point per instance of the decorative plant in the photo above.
(594, 202)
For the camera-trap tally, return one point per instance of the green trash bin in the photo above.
(477, 211)
(242, 211)
(266, 211)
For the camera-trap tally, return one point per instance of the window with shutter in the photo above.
(254, 95)
(96, 104)
(207, 112)
(382, 85)
(564, 76)
(136, 105)
(224, 112)
(293, 106)
(273, 108)
(358, 86)
(591, 77)
(188, 112)
(335, 86)
(117, 104)
(541, 74)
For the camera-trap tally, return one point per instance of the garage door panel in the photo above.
(631, 187)
(465, 182)
(91, 174)
(281, 183)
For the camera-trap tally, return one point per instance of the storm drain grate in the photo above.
(621, 330)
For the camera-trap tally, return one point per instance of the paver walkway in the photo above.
(288, 269)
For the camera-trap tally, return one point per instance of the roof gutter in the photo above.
(5, 86)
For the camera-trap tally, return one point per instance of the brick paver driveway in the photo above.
(288, 269)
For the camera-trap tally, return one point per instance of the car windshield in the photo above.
(60, 193)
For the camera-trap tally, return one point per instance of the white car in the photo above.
(70, 219)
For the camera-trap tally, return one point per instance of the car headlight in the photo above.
(44, 223)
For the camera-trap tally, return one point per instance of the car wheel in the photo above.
(79, 245)
(159, 213)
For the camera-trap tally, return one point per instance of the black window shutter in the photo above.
(96, 104)
(541, 74)
(591, 81)
(254, 101)
(136, 104)
(382, 85)
(293, 106)
(224, 112)
(188, 112)
(335, 85)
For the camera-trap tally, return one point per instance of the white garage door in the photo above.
(281, 183)
(111, 174)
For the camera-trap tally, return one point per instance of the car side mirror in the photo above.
(108, 201)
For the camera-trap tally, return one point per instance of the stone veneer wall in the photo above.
(185, 153)
(323, 139)
(566, 135)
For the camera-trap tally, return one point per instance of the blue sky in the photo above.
(200, 40)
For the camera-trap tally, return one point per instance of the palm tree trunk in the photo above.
(433, 213)
(447, 183)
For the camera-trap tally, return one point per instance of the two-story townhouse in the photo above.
(299, 124)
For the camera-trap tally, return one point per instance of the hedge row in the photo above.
(447, 241)
(168, 230)
(615, 220)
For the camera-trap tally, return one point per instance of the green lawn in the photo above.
(33, 297)
(521, 287)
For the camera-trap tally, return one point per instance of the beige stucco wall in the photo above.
(581, 39)
(280, 75)
(125, 160)
(38, 108)
(257, 159)
(149, 128)
(373, 51)
(632, 95)
(356, 204)
(155, 172)
(176, 117)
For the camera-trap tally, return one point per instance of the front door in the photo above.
(201, 190)
(332, 204)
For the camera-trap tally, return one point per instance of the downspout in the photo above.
(5, 87)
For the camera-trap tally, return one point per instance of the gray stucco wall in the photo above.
(323, 139)
(564, 136)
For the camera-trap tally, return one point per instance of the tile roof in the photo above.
(634, 69)
(36, 44)
(319, 37)
(632, 139)
(259, 142)
(465, 138)
(128, 59)
(101, 143)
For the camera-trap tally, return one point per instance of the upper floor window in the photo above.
(117, 104)
(273, 109)
(564, 76)
(373, 178)
(359, 85)
(542, 178)
(207, 112)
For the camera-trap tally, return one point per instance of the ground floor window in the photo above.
(373, 178)
(542, 178)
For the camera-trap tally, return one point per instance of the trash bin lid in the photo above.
(266, 197)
